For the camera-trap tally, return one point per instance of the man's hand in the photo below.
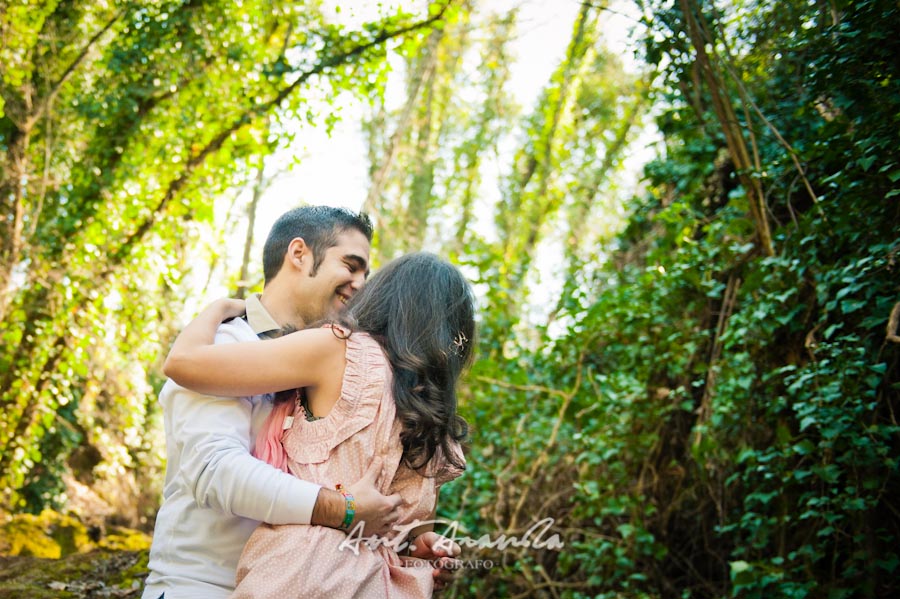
(441, 552)
(377, 512)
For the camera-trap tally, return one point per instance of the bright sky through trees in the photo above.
(331, 168)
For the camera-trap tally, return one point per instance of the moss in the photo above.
(23, 535)
(49, 535)
(69, 533)
(125, 539)
(50, 556)
(133, 576)
(78, 575)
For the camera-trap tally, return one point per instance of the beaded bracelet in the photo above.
(351, 507)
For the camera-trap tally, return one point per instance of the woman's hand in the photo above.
(199, 333)
(227, 308)
(443, 555)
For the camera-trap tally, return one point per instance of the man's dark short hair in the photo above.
(319, 226)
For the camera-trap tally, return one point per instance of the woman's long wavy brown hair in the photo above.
(422, 312)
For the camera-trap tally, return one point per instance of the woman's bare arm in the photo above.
(301, 359)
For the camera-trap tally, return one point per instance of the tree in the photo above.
(120, 124)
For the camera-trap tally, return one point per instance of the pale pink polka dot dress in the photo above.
(294, 561)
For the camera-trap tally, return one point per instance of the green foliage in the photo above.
(121, 125)
(712, 422)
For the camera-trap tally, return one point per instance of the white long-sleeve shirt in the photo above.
(215, 492)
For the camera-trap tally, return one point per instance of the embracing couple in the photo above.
(361, 433)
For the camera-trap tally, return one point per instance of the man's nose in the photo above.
(358, 280)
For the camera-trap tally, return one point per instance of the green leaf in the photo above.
(850, 306)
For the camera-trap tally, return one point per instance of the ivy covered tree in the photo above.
(120, 124)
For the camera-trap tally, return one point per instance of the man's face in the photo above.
(340, 275)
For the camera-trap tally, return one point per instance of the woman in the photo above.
(377, 384)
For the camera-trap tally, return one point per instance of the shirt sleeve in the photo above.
(216, 464)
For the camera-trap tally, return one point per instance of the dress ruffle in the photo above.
(443, 470)
(365, 375)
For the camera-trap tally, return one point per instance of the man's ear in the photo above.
(298, 254)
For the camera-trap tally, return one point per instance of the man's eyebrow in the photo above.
(358, 261)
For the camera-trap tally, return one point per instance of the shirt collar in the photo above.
(259, 318)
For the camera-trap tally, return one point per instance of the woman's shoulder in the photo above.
(323, 338)
(318, 349)
(358, 343)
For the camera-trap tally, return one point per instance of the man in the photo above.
(314, 260)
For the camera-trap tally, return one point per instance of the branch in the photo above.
(56, 86)
(338, 59)
(534, 388)
(379, 179)
(745, 97)
(737, 146)
(705, 409)
(545, 453)
(218, 141)
(892, 324)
